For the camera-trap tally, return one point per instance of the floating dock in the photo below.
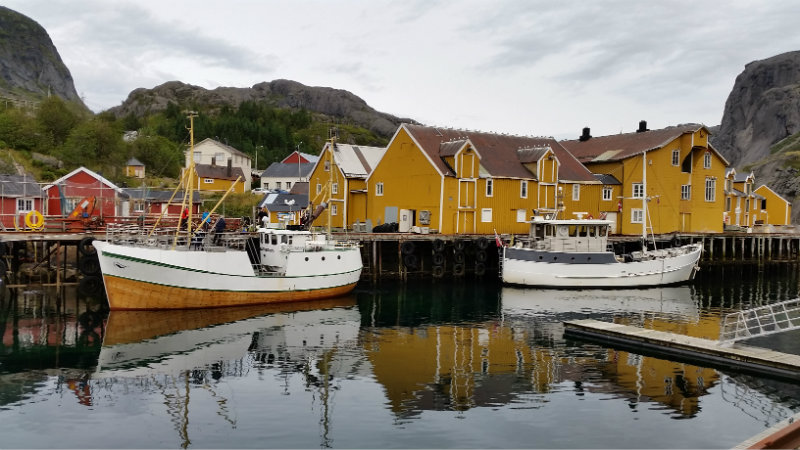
(706, 352)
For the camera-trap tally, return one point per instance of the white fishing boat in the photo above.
(576, 253)
(189, 268)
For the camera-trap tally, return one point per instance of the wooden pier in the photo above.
(708, 352)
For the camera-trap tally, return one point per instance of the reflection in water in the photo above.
(438, 347)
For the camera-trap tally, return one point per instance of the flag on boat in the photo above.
(497, 240)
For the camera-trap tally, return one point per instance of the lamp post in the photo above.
(299, 177)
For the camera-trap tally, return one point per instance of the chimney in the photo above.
(585, 136)
(642, 126)
(230, 167)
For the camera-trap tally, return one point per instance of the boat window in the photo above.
(562, 230)
(592, 231)
(284, 239)
(550, 230)
(274, 239)
(538, 232)
(290, 240)
(583, 231)
(603, 230)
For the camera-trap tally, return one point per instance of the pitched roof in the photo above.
(356, 161)
(301, 187)
(89, 172)
(282, 202)
(498, 152)
(19, 186)
(134, 162)
(221, 145)
(607, 179)
(288, 170)
(300, 155)
(617, 147)
(159, 195)
(742, 177)
(218, 172)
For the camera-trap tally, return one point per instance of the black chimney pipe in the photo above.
(642, 126)
(585, 136)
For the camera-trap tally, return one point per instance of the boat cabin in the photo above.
(576, 235)
(275, 244)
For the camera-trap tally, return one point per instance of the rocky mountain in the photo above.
(30, 66)
(338, 104)
(762, 109)
(760, 129)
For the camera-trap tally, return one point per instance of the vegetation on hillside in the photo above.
(66, 137)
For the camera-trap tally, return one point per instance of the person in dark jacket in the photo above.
(219, 228)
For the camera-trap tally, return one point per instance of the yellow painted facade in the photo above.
(685, 185)
(219, 185)
(457, 360)
(327, 184)
(773, 209)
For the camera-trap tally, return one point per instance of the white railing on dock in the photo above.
(761, 321)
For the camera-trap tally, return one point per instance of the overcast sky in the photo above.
(543, 68)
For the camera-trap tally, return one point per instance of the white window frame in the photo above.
(576, 192)
(608, 191)
(25, 205)
(707, 160)
(327, 165)
(208, 180)
(220, 158)
(637, 215)
(676, 157)
(686, 192)
(334, 188)
(637, 190)
(523, 188)
(278, 185)
(489, 187)
(334, 209)
(379, 188)
(319, 188)
(138, 206)
(486, 215)
(711, 189)
(197, 156)
(521, 215)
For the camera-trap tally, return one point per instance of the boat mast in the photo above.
(644, 201)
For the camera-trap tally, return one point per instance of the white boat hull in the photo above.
(663, 268)
(154, 278)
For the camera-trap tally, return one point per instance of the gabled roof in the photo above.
(221, 145)
(91, 173)
(19, 186)
(743, 177)
(617, 147)
(134, 162)
(532, 155)
(302, 156)
(355, 161)
(159, 195)
(498, 152)
(218, 172)
(301, 187)
(764, 186)
(607, 179)
(282, 202)
(288, 170)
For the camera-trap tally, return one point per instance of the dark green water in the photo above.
(419, 365)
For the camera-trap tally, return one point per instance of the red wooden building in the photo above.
(64, 194)
(19, 196)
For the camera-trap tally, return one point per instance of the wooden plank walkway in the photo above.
(784, 434)
(706, 352)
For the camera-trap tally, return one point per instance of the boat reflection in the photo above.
(144, 342)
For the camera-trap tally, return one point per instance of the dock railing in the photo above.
(760, 321)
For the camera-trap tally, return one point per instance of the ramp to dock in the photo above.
(699, 351)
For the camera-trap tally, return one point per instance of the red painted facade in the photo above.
(78, 186)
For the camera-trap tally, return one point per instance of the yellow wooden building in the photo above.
(771, 208)
(457, 181)
(134, 168)
(339, 179)
(211, 177)
(682, 172)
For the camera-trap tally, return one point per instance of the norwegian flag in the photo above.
(497, 240)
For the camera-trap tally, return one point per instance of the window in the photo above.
(764, 204)
(219, 157)
(523, 188)
(728, 185)
(208, 180)
(327, 165)
(707, 160)
(637, 215)
(686, 192)
(266, 185)
(277, 185)
(521, 215)
(638, 190)
(727, 204)
(335, 188)
(24, 205)
(334, 209)
(379, 188)
(319, 188)
(576, 192)
(676, 157)
(607, 191)
(197, 157)
(486, 215)
(747, 205)
(711, 189)
(748, 188)
(288, 185)
(489, 187)
(138, 206)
